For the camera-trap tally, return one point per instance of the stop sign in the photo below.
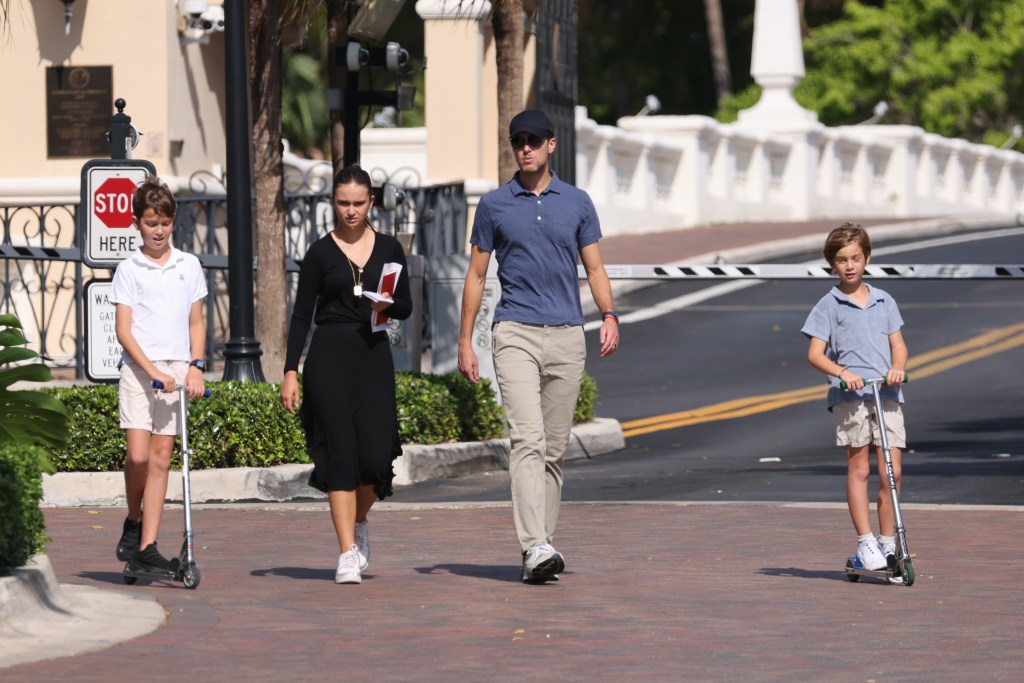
(112, 202)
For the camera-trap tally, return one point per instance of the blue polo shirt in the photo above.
(857, 339)
(537, 240)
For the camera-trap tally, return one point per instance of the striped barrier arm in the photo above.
(785, 271)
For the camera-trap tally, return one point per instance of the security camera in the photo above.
(212, 19)
(194, 8)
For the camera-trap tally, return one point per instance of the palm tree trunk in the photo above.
(268, 174)
(719, 50)
(509, 33)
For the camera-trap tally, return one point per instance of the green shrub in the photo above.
(243, 424)
(96, 443)
(585, 402)
(22, 533)
(480, 416)
(426, 409)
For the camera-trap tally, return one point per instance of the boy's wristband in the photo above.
(839, 375)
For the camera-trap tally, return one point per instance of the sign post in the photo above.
(106, 237)
(102, 350)
(105, 213)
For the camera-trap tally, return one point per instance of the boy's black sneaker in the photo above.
(150, 561)
(130, 536)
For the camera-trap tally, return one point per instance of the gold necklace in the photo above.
(357, 281)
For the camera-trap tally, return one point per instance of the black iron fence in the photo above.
(42, 276)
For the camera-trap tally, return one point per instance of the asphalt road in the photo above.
(703, 364)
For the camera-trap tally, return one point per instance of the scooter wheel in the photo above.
(191, 577)
(908, 573)
(130, 580)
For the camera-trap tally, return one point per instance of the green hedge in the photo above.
(243, 424)
(23, 531)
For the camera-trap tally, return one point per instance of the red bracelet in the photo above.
(610, 314)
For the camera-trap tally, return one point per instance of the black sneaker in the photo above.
(129, 543)
(150, 561)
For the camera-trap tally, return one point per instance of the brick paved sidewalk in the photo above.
(653, 592)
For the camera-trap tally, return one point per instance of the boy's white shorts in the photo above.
(143, 407)
(856, 424)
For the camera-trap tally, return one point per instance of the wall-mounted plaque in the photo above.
(79, 104)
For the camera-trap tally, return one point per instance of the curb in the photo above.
(41, 619)
(286, 483)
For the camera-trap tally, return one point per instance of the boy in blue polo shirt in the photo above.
(158, 292)
(854, 332)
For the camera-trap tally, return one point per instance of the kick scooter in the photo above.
(185, 571)
(899, 566)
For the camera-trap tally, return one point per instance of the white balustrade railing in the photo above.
(659, 173)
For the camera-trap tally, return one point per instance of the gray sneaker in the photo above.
(363, 541)
(542, 563)
(348, 567)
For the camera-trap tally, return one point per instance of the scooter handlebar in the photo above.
(157, 384)
(875, 380)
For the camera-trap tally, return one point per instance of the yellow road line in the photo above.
(924, 365)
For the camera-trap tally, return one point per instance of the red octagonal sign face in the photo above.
(112, 202)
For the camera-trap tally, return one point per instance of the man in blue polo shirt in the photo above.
(537, 226)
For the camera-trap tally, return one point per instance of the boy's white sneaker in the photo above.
(363, 542)
(888, 548)
(348, 567)
(870, 556)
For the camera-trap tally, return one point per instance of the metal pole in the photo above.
(119, 133)
(350, 117)
(242, 351)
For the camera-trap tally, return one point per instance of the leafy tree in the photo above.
(305, 117)
(629, 49)
(952, 67)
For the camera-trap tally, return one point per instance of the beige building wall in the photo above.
(463, 132)
(173, 88)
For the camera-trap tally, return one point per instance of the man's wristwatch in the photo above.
(199, 364)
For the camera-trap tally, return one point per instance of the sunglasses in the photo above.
(520, 141)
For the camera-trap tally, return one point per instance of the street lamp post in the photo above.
(242, 350)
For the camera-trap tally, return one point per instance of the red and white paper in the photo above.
(388, 282)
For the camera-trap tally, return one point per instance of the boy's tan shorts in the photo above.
(143, 407)
(856, 424)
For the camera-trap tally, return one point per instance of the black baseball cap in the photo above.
(532, 121)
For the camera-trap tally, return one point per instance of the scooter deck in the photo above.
(854, 570)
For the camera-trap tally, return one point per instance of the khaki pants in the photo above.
(538, 371)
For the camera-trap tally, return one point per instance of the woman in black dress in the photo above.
(348, 407)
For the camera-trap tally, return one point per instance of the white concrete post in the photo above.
(777, 65)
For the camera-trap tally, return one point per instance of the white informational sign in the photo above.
(107, 235)
(102, 351)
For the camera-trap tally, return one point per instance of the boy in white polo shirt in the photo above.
(854, 332)
(158, 292)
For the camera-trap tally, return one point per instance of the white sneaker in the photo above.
(363, 541)
(870, 555)
(348, 567)
(887, 548)
(542, 563)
